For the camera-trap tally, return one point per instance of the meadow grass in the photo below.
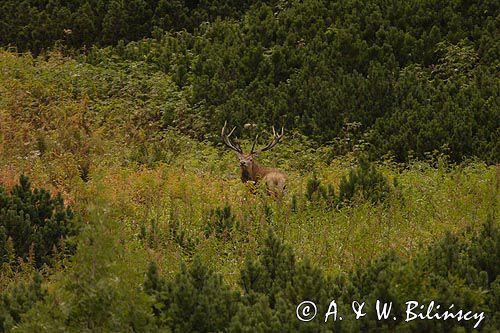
(74, 128)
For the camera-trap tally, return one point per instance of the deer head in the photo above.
(251, 170)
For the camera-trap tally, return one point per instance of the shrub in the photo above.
(196, 300)
(364, 181)
(222, 222)
(18, 300)
(181, 237)
(460, 270)
(316, 191)
(34, 225)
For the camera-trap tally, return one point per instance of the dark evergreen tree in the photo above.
(196, 300)
(37, 224)
(364, 182)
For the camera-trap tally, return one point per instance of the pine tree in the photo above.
(34, 220)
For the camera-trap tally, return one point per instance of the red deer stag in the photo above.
(251, 170)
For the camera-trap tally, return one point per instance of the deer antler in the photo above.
(274, 142)
(225, 138)
(254, 142)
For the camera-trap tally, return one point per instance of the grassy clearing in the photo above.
(88, 132)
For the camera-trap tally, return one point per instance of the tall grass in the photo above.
(93, 133)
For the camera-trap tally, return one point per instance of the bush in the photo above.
(315, 191)
(364, 181)
(460, 270)
(320, 67)
(34, 225)
(18, 300)
(196, 300)
(457, 270)
(222, 223)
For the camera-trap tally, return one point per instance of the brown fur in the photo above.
(252, 171)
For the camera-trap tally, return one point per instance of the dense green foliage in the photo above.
(391, 112)
(18, 300)
(33, 225)
(365, 181)
(196, 300)
(36, 25)
(454, 271)
(457, 270)
(418, 75)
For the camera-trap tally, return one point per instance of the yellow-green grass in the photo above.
(53, 134)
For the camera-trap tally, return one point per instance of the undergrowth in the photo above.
(146, 193)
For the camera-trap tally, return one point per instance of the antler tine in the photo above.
(223, 129)
(254, 142)
(231, 131)
(274, 141)
(227, 141)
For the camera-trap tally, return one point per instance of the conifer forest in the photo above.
(252, 166)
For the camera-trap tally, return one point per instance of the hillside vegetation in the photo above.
(417, 76)
(121, 210)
